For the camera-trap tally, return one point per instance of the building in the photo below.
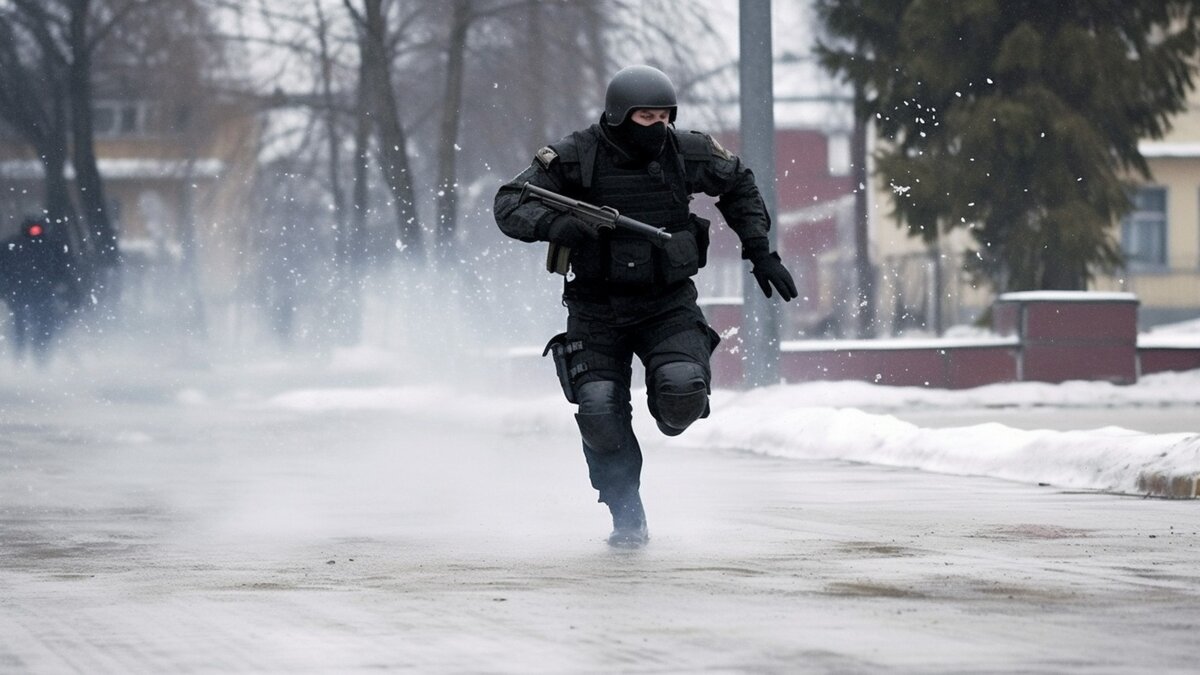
(176, 173)
(1161, 236)
(813, 221)
(923, 289)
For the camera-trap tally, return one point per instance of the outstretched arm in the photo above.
(742, 206)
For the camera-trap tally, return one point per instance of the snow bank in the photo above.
(1160, 389)
(843, 421)
(769, 422)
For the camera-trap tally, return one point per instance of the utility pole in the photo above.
(864, 291)
(760, 315)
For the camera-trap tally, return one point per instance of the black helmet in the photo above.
(637, 87)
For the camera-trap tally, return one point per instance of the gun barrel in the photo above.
(642, 228)
(597, 214)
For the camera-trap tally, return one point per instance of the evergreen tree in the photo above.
(1016, 119)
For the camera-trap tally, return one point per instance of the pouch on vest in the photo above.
(631, 261)
(560, 349)
(700, 227)
(680, 257)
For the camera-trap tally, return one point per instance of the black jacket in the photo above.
(33, 270)
(568, 167)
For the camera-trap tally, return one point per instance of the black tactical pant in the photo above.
(33, 328)
(673, 341)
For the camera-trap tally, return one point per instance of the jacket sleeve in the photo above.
(724, 176)
(529, 221)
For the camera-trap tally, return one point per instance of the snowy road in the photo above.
(147, 531)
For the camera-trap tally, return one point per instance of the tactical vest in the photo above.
(655, 194)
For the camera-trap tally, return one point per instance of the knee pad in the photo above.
(605, 433)
(602, 396)
(680, 391)
(604, 416)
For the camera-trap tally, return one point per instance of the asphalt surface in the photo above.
(145, 530)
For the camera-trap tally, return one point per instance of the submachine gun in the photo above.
(601, 217)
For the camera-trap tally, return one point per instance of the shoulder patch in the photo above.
(545, 156)
(698, 146)
(718, 149)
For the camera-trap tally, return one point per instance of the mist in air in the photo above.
(259, 209)
(273, 399)
(286, 216)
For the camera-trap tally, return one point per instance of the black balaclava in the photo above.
(641, 143)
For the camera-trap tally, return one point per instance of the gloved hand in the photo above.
(570, 231)
(769, 271)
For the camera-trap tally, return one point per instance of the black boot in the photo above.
(629, 522)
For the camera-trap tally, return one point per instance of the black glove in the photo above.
(570, 231)
(769, 271)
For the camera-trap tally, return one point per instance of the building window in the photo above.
(1144, 229)
(840, 162)
(118, 118)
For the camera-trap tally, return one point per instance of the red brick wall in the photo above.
(1051, 340)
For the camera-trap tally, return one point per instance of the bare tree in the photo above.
(345, 308)
(447, 190)
(317, 73)
(420, 109)
(376, 40)
(33, 101)
(80, 45)
(48, 50)
(68, 32)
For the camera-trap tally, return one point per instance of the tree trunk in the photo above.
(393, 151)
(60, 210)
(342, 312)
(33, 102)
(1062, 272)
(193, 294)
(447, 189)
(87, 174)
(361, 195)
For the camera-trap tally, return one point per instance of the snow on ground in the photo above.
(1183, 334)
(850, 421)
(797, 421)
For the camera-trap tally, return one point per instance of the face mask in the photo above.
(643, 143)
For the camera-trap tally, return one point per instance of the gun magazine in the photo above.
(558, 259)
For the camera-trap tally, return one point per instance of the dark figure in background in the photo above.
(36, 282)
(626, 296)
